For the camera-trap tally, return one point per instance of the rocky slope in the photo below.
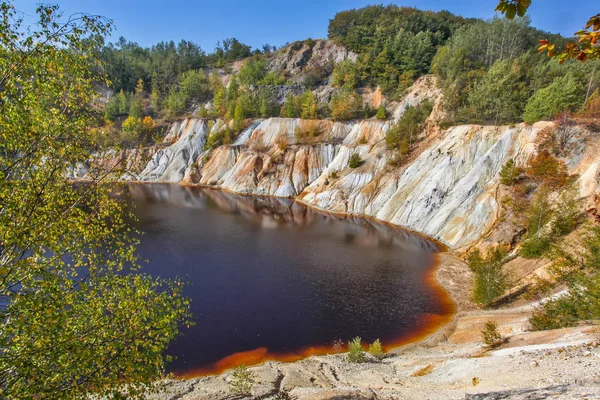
(447, 190)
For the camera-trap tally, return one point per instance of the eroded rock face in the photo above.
(447, 192)
(447, 189)
(126, 164)
(171, 163)
(301, 56)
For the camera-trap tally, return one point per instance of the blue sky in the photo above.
(279, 21)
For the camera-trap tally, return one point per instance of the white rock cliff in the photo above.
(447, 191)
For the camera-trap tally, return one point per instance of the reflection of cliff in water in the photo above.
(272, 212)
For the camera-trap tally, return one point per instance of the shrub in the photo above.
(301, 132)
(565, 131)
(338, 346)
(135, 108)
(548, 170)
(252, 71)
(273, 79)
(355, 161)
(554, 314)
(376, 349)
(510, 173)
(132, 125)
(203, 112)
(117, 105)
(539, 289)
(368, 111)
(381, 113)
(356, 353)
(490, 334)
(241, 381)
(578, 267)
(538, 215)
(309, 105)
(282, 143)
(314, 76)
(313, 129)
(176, 103)
(216, 139)
(148, 124)
(539, 212)
(518, 201)
(239, 116)
(546, 140)
(567, 213)
(408, 128)
(490, 278)
(535, 246)
(292, 108)
(345, 105)
(194, 85)
(127, 139)
(345, 74)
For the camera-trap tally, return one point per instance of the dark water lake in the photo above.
(274, 275)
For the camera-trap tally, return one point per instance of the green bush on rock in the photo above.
(355, 161)
(356, 353)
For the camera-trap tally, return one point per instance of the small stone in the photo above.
(535, 363)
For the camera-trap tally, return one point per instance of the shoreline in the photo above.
(430, 329)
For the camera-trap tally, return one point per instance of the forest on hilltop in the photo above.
(490, 72)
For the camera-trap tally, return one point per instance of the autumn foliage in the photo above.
(586, 47)
(548, 170)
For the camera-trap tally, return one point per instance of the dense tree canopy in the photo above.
(490, 69)
(161, 65)
(396, 44)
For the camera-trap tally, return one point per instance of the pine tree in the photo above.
(264, 111)
(239, 116)
(309, 105)
(139, 88)
(510, 173)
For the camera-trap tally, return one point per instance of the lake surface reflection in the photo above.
(272, 274)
